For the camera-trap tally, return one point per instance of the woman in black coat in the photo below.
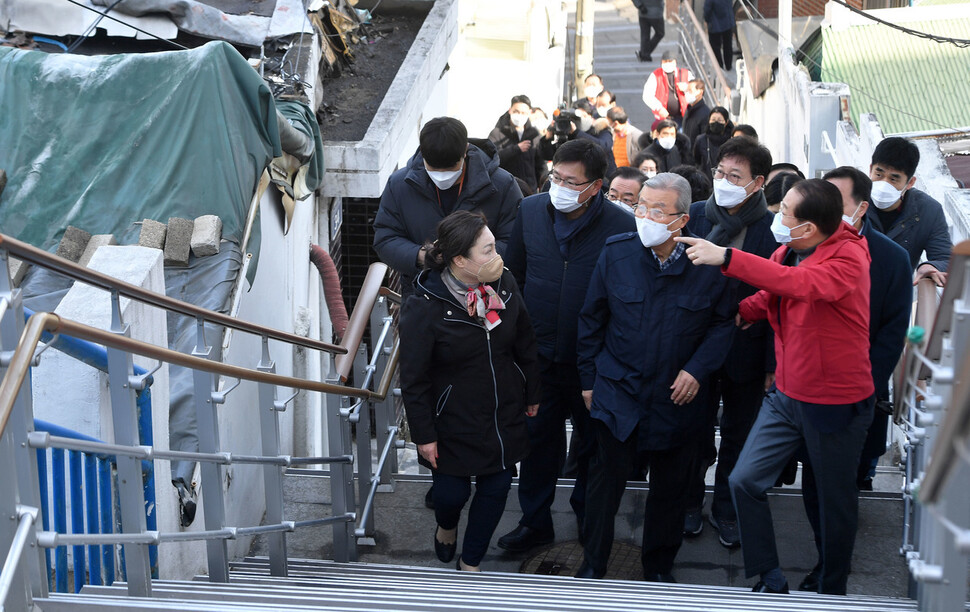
(469, 377)
(708, 143)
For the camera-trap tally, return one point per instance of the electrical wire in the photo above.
(853, 88)
(959, 42)
(84, 35)
(135, 28)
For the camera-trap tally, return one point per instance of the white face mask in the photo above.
(585, 122)
(781, 231)
(884, 195)
(729, 195)
(650, 173)
(652, 233)
(564, 199)
(444, 180)
(690, 98)
(667, 142)
(592, 91)
(517, 119)
(668, 67)
(602, 110)
(850, 219)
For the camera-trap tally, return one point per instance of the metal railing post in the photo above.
(365, 458)
(383, 411)
(207, 420)
(130, 486)
(18, 597)
(269, 434)
(21, 423)
(341, 477)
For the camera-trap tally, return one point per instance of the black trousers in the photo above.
(783, 426)
(561, 399)
(741, 403)
(649, 42)
(451, 493)
(721, 44)
(663, 515)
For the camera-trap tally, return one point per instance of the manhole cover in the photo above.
(565, 558)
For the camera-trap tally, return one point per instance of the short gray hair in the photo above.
(669, 181)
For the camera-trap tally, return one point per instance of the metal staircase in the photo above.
(325, 585)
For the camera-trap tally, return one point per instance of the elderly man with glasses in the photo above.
(736, 216)
(556, 240)
(652, 331)
(625, 187)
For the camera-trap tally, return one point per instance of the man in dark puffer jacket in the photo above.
(515, 138)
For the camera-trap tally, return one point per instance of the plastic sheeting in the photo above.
(104, 142)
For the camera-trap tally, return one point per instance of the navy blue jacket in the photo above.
(719, 15)
(921, 226)
(752, 353)
(638, 328)
(553, 287)
(890, 301)
(409, 211)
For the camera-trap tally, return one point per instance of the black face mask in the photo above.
(716, 128)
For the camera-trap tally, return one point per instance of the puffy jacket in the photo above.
(819, 311)
(526, 165)
(464, 387)
(409, 210)
(554, 287)
(752, 353)
(921, 226)
(638, 328)
(719, 15)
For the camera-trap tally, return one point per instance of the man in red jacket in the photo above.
(814, 291)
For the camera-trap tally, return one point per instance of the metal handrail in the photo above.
(33, 255)
(27, 516)
(720, 82)
(369, 291)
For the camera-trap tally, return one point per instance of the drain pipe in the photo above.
(294, 140)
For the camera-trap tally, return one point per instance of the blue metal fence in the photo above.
(90, 484)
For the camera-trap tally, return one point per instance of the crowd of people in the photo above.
(649, 287)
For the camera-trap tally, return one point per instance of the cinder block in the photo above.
(73, 243)
(152, 234)
(96, 241)
(18, 270)
(178, 242)
(206, 234)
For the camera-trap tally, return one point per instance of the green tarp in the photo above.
(103, 142)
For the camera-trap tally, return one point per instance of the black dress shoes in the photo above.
(445, 552)
(523, 538)
(586, 571)
(810, 582)
(761, 587)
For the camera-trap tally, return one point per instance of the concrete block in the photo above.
(98, 240)
(152, 234)
(17, 269)
(178, 242)
(73, 243)
(206, 234)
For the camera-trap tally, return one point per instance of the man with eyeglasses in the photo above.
(735, 216)
(555, 243)
(625, 187)
(814, 291)
(652, 331)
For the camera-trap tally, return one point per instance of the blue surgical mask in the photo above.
(781, 231)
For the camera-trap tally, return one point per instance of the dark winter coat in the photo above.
(669, 158)
(719, 15)
(526, 165)
(638, 328)
(752, 353)
(706, 149)
(921, 226)
(695, 121)
(554, 287)
(464, 387)
(409, 210)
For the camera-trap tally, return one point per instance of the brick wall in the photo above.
(800, 8)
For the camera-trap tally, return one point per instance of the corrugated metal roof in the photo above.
(910, 83)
